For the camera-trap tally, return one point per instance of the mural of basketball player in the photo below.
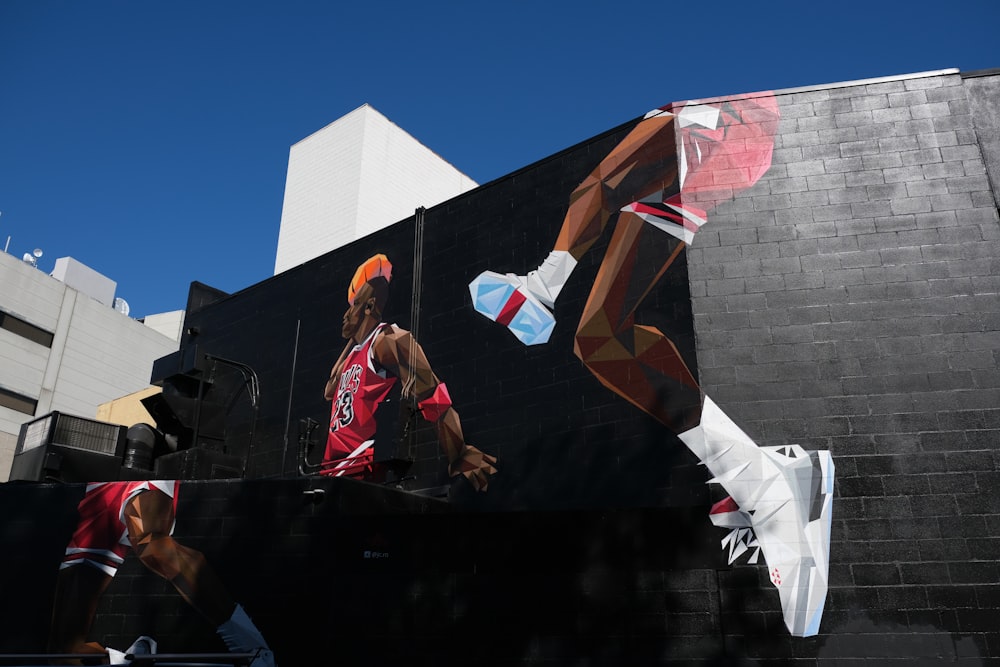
(376, 356)
(658, 184)
(114, 518)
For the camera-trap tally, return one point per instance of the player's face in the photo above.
(352, 319)
(355, 316)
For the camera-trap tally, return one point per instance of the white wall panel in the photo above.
(355, 176)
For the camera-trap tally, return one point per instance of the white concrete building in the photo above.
(355, 176)
(64, 349)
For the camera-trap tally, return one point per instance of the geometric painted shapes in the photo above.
(792, 523)
(436, 404)
(502, 299)
(698, 115)
(786, 494)
(550, 277)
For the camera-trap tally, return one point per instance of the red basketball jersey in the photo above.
(361, 389)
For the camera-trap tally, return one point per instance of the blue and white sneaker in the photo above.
(506, 300)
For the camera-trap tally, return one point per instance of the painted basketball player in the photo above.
(376, 356)
(114, 518)
(658, 185)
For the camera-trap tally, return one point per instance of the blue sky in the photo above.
(149, 140)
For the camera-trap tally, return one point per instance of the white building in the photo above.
(355, 176)
(64, 347)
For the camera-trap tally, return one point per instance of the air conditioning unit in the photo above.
(59, 447)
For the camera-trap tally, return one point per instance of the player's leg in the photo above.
(644, 163)
(781, 497)
(637, 362)
(78, 590)
(149, 518)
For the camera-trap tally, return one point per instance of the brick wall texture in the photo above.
(849, 302)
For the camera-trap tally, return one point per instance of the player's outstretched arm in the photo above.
(400, 354)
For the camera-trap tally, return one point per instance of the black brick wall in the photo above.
(849, 302)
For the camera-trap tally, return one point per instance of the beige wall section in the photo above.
(127, 410)
(8, 443)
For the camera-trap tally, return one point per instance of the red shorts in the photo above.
(101, 538)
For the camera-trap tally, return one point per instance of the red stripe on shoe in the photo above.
(510, 308)
(725, 505)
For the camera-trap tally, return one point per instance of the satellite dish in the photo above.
(29, 259)
(37, 252)
(121, 305)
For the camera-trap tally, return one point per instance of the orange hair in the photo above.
(377, 266)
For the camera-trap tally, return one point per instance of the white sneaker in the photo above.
(143, 645)
(789, 523)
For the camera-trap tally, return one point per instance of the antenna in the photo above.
(121, 305)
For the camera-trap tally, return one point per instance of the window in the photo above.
(25, 330)
(15, 401)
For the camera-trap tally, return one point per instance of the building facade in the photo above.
(357, 175)
(62, 349)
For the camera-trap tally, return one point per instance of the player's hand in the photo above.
(475, 466)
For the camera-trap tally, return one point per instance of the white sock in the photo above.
(729, 454)
(547, 280)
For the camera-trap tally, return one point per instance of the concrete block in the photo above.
(808, 199)
(864, 147)
(938, 139)
(877, 161)
(832, 213)
(940, 81)
(921, 156)
(825, 181)
(968, 184)
(824, 151)
(901, 174)
(922, 188)
(891, 115)
(868, 102)
(867, 177)
(943, 169)
(847, 195)
(908, 98)
(898, 144)
(814, 123)
(805, 168)
(771, 202)
(910, 205)
(839, 165)
(873, 209)
(853, 118)
(944, 123)
(786, 185)
(951, 202)
(895, 223)
(930, 110)
(832, 106)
